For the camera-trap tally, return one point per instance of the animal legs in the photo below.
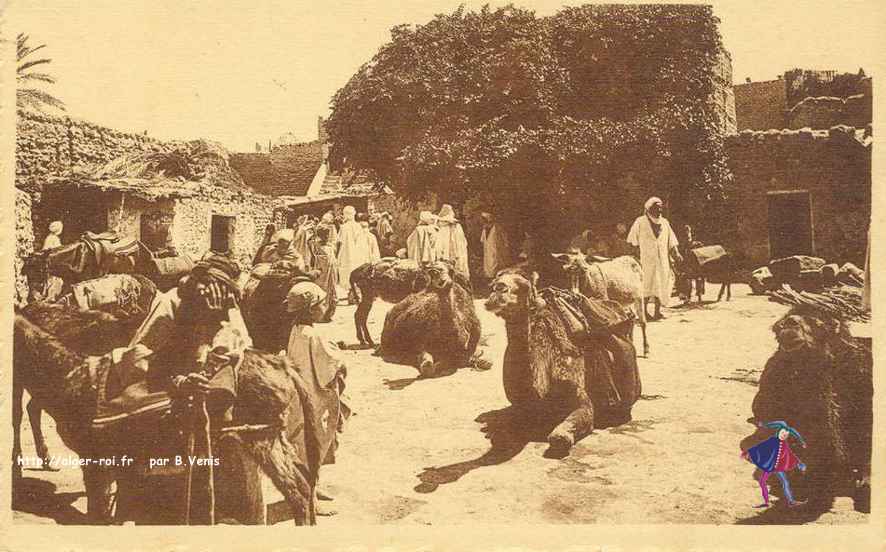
(97, 481)
(578, 424)
(17, 399)
(361, 315)
(723, 287)
(34, 417)
(277, 459)
(425, 365)
(641, 320)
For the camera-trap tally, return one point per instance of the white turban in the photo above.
(650, 202)
(55, 227)
(425, 217)
(447, 214)
(349, 212)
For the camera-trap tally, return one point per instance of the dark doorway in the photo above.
(155, 229)
(790, 224)
(86, 210)
(222, 234)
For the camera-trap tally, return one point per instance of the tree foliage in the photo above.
(545, 118)
(26, 95)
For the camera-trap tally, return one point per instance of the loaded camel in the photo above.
(391, 280)
(619, 280)
(436, 330)
(89, 332)
(819, 380)
(548, 362)
(270, 393)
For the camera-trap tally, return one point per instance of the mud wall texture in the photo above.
(52, 146)
(24, 243)
(832, 165)
(819, 113)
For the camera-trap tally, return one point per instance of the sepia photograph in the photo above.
(434, 263)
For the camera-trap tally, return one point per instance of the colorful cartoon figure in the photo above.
(775, 455)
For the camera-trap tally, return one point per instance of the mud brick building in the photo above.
(804, 99)
(92, 178)
(802, 192)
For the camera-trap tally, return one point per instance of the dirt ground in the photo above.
(445, 451)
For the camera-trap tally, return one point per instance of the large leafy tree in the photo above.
(27, 96)
(573, 117)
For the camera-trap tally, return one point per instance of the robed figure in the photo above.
(421, 243)
(452, 245)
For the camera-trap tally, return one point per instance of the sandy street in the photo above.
(443, 451)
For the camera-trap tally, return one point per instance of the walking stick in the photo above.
(207, 442)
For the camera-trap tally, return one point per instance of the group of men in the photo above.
(330, 247)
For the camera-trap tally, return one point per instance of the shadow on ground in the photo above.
(39, 498)
(509, 430)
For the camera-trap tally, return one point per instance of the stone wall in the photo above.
(51, 146)
(192, 226)
(760, 105)
(826, 112)
(831, 164)
(24, 243)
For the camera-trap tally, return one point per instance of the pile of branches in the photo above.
(842, 301)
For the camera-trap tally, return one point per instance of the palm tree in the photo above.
(25, 96)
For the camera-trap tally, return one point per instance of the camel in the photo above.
(96, 255)
(270, 393)
(544, 365)
(619, 280)
(90, 332)
(436, 329)
(391, 280)
(819, 381)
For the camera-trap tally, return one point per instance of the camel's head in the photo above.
(439, 275)
(511, 293)
(803, 329)
(575, 264)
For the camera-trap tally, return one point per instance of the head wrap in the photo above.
(487, 216)
(55, 227)
(778, 425)
(328, 217)
(425, 217)
(650, 202)
(219, 268)
(304, 295)
(349, 213)
(447, 214)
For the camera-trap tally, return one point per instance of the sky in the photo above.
(246, 72)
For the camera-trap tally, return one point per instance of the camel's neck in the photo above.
(517, 329)
(589, 282)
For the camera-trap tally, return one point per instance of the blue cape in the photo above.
(765, 454)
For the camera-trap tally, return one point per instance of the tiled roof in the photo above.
(286, 171)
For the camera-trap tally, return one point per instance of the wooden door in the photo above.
(790, 224)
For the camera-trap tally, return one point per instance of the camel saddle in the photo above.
(126, 394)
(585, 317)
(115, 289)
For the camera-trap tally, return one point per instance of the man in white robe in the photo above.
(496, 247)
(421, 243)
(370, 243)
(452, 244)
(652, 234)
(352, 247)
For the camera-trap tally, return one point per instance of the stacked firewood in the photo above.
(813, 282)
